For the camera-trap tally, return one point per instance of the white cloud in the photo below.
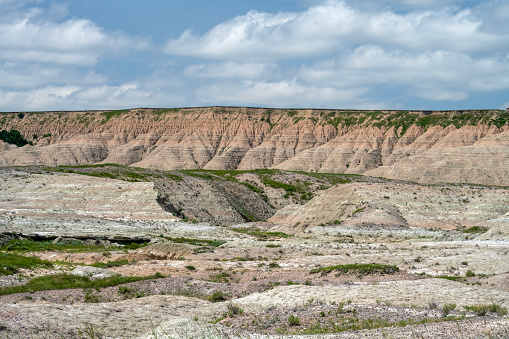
(333, 27)
(436, 75)
(343, 54)
(36, 99)
(230, 69)
(75, 97)
(442, 95)
(20, 75)
(286, 93)
(75, 41)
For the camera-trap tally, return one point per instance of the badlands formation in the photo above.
(430, 147)
(227, 222)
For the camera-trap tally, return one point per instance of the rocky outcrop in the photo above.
(400, 205)
(78, 196)
(421, 146)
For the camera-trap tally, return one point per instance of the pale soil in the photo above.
(263, 291)
(269, 279)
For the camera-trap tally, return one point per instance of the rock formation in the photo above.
(452, 146)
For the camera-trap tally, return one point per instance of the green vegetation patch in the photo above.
(109, 264)
(13, 137)
(27, 245)
(451, 278)
(262, 235)
(197, 242)
(484, 309)
(111, 114)
(109, 171)
(11, 263)
(474, 229)
(360, 269)
(67, 281)
(173, 177)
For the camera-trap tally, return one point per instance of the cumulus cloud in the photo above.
(436, 75)
(75, 97)
(230, 69)
(20, 75)
(74, 41)
(333, 27)
(333, 54)
(47, 61)
(285, 93)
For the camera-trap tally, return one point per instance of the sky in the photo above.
(342, 54)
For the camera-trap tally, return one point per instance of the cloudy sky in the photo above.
(393, 54)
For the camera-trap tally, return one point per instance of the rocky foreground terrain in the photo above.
(147, 253)
(226, 222)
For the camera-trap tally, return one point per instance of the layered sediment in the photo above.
(452, 146)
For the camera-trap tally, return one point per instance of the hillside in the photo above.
(429, 147)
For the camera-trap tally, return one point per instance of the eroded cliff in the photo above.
(452, 146)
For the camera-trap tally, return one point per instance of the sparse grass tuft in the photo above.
(293, 320)
(482, 310)
(447, 308)
(217, 296)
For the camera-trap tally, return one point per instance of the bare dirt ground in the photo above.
(271, 280)
(243, 282)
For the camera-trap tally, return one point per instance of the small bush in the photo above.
(233, 309)
(470, 273)
(217, 296)
(447, 308)
(293, 320)
(191, 268)
(91, 298)
(495, 308)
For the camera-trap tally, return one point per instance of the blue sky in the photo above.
(405, 54)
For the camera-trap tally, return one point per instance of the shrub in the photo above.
(495, 308)
(447, 308)
(233, 309)
(13, 137)
(217, 296)
(293, 320)
(470, 273)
